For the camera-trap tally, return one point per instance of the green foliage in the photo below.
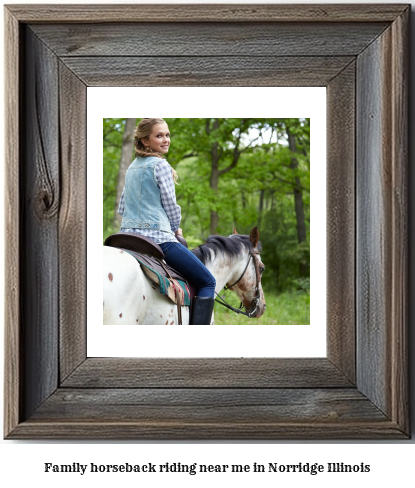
(289, 308)
(257, 190)
(112, 140)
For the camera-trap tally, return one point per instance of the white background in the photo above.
(391, 462)
(167, 341)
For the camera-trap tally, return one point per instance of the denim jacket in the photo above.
(143, 207)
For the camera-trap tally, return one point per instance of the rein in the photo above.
(255, 301)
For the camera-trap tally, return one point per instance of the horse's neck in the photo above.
(225, 270)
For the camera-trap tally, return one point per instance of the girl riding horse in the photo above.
(148, 207)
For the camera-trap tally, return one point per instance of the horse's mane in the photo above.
(232, 246)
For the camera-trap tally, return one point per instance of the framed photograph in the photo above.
(259, 190)
(55, 54)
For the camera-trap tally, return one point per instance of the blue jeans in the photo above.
(186, 263)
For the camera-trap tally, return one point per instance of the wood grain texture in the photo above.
(206, 373)
(72, 222)
(57, 393)
(39, 215)
(206, 13)
(252, 429)
(372, 430)
(209, 405)
(382, 223)
(400, 263)
(341, 236)
(228, 39)
(374, 221)
(13, 383)
(206, 71)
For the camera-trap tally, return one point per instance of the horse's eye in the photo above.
(261, 269)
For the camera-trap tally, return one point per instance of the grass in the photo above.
(289, 308)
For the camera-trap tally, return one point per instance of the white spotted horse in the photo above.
(131, 298)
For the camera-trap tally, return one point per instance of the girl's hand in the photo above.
(179, 232)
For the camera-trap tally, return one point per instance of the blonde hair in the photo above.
(143, 130)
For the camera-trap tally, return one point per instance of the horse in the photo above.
(131, 298)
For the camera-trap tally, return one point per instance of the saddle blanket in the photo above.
(153, 269)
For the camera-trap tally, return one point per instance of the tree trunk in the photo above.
(304, 266)
(214, 179)
(126, 154)
(216, 154)
(261, 207)
(298, 196)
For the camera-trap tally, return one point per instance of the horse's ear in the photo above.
(254, 237)
(234, 230)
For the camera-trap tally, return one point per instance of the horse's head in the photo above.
(248, 286)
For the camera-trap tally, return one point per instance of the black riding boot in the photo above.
(202, 309)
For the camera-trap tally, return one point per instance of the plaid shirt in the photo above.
(165, 182)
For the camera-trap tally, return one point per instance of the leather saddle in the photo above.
(150, 253)
(135, 242)
(138, 243)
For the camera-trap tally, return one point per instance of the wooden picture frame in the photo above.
(360, 53)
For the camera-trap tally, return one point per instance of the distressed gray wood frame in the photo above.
(53, 53)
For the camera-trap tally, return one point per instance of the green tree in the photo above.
(242, 172)
(125, 160)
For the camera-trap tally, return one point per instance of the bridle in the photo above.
(255, 301)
